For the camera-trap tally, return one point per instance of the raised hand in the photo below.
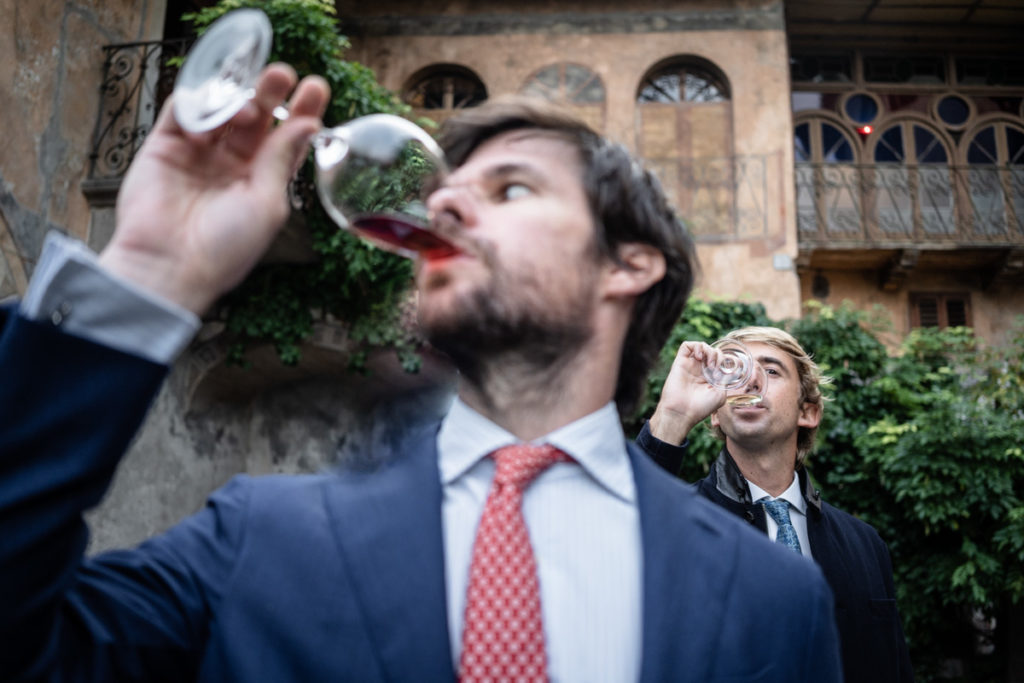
(196, 212)
(687, 397)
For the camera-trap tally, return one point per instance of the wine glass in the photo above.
(372, 173)
(734, 369)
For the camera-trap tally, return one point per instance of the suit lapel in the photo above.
(388, 522)
(687, 567)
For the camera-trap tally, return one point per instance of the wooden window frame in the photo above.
(942, 300)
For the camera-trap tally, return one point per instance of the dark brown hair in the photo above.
(628, 205)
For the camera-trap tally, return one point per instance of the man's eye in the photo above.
(515, 191)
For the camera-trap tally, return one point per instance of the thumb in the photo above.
(284, 151)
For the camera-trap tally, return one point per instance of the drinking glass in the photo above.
(372, 173)
(734, 369)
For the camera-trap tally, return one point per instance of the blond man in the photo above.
(759, 476)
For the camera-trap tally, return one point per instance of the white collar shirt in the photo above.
(585, 530)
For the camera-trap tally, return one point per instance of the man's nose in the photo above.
(453, 206)
(757, 377)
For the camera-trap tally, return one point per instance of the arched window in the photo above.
(684, 134)
(994, 151)
(828, 194)
(912, 181)
(440, 90)
(572, 85)
(684, 80)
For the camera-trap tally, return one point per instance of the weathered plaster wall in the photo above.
(51, 61)
(210, 423)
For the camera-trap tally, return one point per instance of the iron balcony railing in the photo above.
(892, 205)
(137, 78)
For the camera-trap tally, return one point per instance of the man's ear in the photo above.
(638, 267)
(810, 415)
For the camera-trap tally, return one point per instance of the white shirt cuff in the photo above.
(71, 290)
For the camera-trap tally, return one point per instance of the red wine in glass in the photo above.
(402, 236)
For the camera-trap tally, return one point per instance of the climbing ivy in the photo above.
(347, 280)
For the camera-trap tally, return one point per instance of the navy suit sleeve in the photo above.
(70, 408)
(668, 456)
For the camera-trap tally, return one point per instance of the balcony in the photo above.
(137, 78)
(895, 218)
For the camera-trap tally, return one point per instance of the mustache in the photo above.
(448, 226)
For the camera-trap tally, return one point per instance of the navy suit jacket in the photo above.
(336, 576)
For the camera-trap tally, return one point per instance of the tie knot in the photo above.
(778, 509)
(518, 465)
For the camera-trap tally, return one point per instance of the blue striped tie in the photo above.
(779, 510)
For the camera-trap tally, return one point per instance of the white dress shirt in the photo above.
(585, 530)
(797, 511)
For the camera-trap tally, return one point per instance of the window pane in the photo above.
(927, 147)
(683, 81)
(910, 69)
(446, 89)
(582, 85)
(802, 141)
(890, 146)
(956, 313)
(861, 108)
(1015, 146)
(821, 68)
(985, 71)
(836, 147)
(982, 149)
(701, 89)
(661, 88)
(953, 110)
(928, 312)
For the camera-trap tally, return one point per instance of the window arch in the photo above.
(440, 90)
(912, 183)
(994, 152)
(684, 134)
(683, 79)
(572, 85)
(828, 190)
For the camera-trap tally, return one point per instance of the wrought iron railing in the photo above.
(892, 205)
(136, 80)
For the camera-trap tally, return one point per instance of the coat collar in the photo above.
(731, 484)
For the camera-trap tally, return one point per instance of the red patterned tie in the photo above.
(503, 635)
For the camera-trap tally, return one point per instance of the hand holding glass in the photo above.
(372, 173)
(735, 370)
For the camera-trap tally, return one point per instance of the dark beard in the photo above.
(490, 326)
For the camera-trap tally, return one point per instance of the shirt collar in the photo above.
(595, 441)
(790, 495)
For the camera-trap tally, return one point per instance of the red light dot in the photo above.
(865, 130)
